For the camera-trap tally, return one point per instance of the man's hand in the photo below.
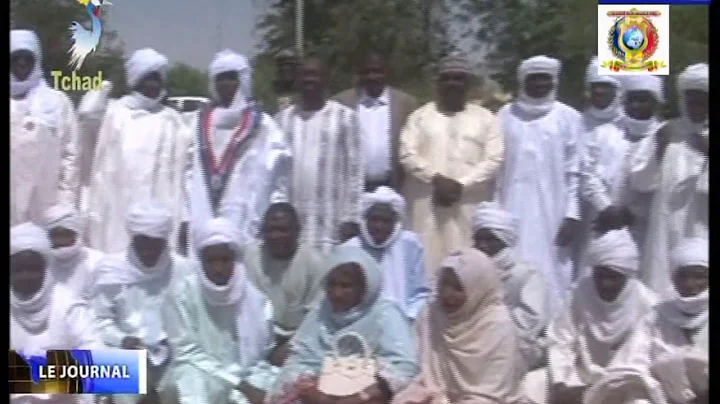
(613, 218)
(348, 230)
(279, 354)
(446, 191)
(253, 394)
(183, 239)
(131, 343)
(568, 231)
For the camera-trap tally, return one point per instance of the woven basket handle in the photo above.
(364, 345)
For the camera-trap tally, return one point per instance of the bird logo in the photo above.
(85, 41)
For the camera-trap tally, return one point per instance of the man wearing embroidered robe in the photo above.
(43, 136)
(328, 169)
(240, 159)
(140, 154)
(451, 151)
(674, 164)
(540, 179)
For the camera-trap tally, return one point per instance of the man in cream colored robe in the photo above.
(540, 179)
(674, 165)
(43, 136)
(240, 160)
(609, 201)
(141, 154)
(44, 315)
(451, 151)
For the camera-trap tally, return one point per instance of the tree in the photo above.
(51, 21)
(185, 80)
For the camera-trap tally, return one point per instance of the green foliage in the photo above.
(184, 80)
(51, 19)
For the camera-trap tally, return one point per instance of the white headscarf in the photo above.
(140, 64)
(229, 61)
(653, 85)
(237, 292)
(609, 322)
(152, 219)
(537, 65)
(66, 216)
(694, 77)
(612, 111)
(21, 39)
(688, 312)
(33, 313)
(501, 223)
(392, 256)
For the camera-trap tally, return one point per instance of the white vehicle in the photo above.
(187, 104)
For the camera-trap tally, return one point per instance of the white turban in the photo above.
(695, 77)
(63, 215)
(537, 65)
(383, 195)
(149, 218)
(615, 249)
(652, 84)
(29, 237)
(690, 252)
(142, 63)
(218, 231)
(592, 75)
(229, 61)
(21, 39)
(501, 223)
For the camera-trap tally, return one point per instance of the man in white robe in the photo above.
(43, 136)
(399, 252)
(671, 343)
(605, 96)
(74, 263)
(495, 232)
(674, 165)
(451, 151)
(597, 319)
(218, 323)
(327, 164)
(131, 287)
(540, 179)
(609, 201)
(44, 315)
(141, 154)
(240, 161)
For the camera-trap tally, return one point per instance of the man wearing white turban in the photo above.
(671, 343)
(218, 323)
(44, 315)
(495, 233)
(610, 203)
(43, 136)
(605, 96)
(673, 164)
(601, 312)
(73, 261)
(328, 172)
(240, 160)
(132, 286)
(141, 153)
(540, 181)
(399, 252)
(452, 151)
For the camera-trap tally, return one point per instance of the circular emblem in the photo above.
(29, 126)
(634, 40)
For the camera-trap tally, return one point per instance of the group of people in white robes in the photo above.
(564, 251)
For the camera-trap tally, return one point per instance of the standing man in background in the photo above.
(286, 63)
(43, 136)
(327, 170)
(451, 150)
(382, 111)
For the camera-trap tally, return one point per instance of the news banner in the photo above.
(78, 371)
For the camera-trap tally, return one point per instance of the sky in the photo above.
(186, 31)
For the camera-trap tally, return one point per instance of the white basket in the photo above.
(344, 376)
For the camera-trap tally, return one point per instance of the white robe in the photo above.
(70, 326)
(680, 204)
(605, 170)
(260, 175)
(79, 275)
(539, 186)
(139, 155)
(327, 169)
(466, 146)
(44, 154)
